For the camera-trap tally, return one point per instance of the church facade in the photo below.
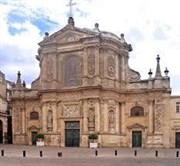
(86, 86)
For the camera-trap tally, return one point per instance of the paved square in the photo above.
(57, 156)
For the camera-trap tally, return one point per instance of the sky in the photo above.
(151, 26)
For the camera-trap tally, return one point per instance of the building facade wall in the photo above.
(85, 80)
(3, 108)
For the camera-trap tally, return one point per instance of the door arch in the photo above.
(1, 132)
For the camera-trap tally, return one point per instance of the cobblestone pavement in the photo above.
(13, 155)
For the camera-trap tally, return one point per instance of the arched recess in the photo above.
(1, 131)
(137, 111)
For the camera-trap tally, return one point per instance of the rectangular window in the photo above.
(178, 107)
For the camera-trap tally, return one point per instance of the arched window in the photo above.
(34, 115)
(137, 111)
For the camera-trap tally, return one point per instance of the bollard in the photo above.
(24, 153)
(177, 154)
(59, 154)
(156, 153)
(2, 152)
(96, 152)
(135, 153)
(40, 153)
(115, 152)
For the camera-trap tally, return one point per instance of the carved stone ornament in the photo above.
(49, 68)
(111, 117)
(111, 66)
(91, 64)
(17, 120)
(111, 104)
(158, 117)
(91, 119)
(71, 110)
(111, 120)
(50, 120)
(70, 38)
(91, 102)
(72, 71)
(133, 75)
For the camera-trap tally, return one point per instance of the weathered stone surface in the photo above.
(85, 78)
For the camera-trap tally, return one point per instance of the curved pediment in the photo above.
(136, 126)
(33, 128)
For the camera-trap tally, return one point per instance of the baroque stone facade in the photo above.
(85, 86)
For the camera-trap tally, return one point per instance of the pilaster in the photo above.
(122, 105)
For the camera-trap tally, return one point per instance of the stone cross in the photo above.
(70, 4)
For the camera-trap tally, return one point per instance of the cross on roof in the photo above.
(70, 4)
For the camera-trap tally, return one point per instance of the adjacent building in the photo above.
(5, 110)
(86, 86)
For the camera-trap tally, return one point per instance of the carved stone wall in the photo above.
(158, 118)
(71, 110)
(91, 115)
(111, 115)
(50, 121)
(49, 68)
(111, 66)
(72, 71)
(91, 62)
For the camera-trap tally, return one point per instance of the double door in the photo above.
(72, 134)
(177, 140)
(136, 139)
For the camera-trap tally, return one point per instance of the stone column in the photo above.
(122, 67)
(97, 116)
(23, 120)
(150, 104)
(105, 116)
(117, 117)
(55, 118)
(85, 116)
(85, 66)
(97, 66)
(122, 105)
(59, 114)
(44, 122)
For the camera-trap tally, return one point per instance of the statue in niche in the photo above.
(50, 120)
(91, 64)
(111, 117)
(91, 119)
(111, 66)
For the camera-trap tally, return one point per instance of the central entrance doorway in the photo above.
(136, 139)
(177, 139)
(72, 134)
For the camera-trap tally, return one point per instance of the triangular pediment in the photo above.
(68, 34)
